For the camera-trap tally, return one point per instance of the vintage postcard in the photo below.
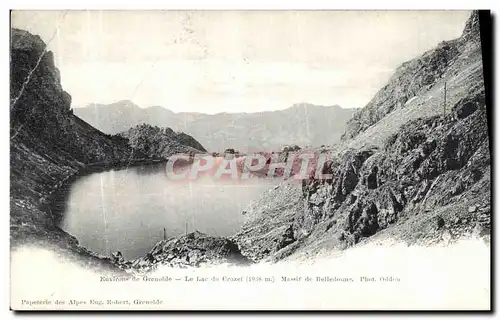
(250, 160)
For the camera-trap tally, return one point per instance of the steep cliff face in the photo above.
(40, 108)
(423, 179)
(417, 88)
(161, 142)
(48, 144)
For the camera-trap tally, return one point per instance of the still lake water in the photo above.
(126, 210)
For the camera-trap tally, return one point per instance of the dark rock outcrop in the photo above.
(192, 250)
(161, 142)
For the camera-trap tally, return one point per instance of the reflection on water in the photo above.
(126, 210)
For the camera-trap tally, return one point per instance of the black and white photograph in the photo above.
(250, 160)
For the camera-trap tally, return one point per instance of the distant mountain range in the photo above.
(302, 124)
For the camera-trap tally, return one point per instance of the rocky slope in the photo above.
(302, 124)
(158, 142)
(417, 88)
(48, 145)
(420, 180)
(195, 249)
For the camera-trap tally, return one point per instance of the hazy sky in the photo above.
(216, 61)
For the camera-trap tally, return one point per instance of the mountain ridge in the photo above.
(133, 104)
(302, 124)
